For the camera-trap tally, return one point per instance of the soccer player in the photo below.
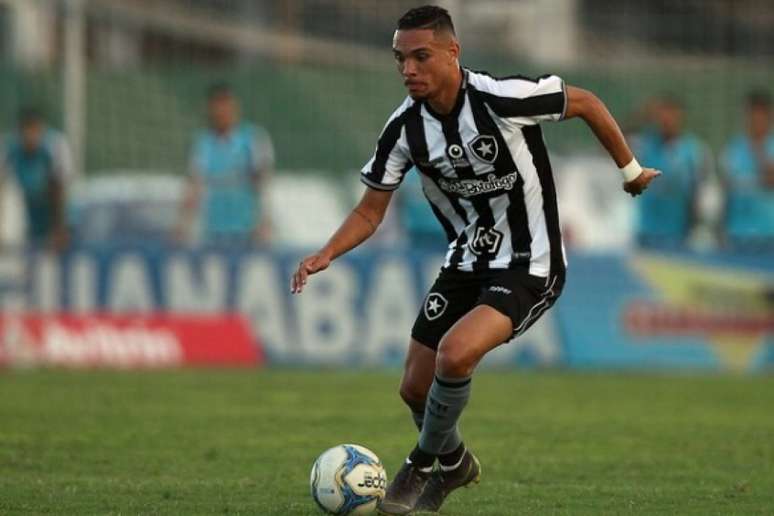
(230, 167)
(476, 142)
(40, 160)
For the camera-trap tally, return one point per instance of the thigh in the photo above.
(451, 297)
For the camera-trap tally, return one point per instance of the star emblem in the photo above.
(485, 149)
(435, 306)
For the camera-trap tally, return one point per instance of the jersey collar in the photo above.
(455, 112)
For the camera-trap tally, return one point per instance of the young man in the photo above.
(39, 158)
(230, 167)
(485, 171)
(749, 167)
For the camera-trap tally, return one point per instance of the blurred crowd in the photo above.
(231, 163)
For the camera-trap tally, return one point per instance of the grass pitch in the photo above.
(226, 442)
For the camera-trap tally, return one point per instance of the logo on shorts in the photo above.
(486, 241)
(435, 306)
(484, 147)
(498, 288)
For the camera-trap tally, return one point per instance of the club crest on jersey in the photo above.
(484, 147)
(435, 306)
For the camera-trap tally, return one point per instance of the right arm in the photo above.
(192, 193)
(382, 175)
(356, 229)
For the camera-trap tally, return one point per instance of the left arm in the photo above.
(584, 104)
(263, 150)
(63, 172)
(765, 165)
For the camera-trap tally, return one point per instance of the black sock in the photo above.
(421, 459)
(452, 459)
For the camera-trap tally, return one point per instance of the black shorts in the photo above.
(515, 293)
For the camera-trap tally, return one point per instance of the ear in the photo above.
(454, 50)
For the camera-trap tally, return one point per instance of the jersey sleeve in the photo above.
(533, 100)
(392, 159)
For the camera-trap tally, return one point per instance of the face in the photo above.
(31, 135)
(426, 60)
(223, 112)
(758, 120)
(669, 118)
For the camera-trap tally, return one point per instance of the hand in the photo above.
(639, 184)
(308, 266)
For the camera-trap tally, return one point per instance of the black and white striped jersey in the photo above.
(484, 169)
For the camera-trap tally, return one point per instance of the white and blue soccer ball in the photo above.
(348, 479)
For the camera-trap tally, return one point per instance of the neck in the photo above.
(444, 101)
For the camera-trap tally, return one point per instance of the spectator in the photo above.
(39, 159)
(667, 215)
(749, 172)
(230, 165)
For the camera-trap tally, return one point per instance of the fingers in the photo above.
(299, 278)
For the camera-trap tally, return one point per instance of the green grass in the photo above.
(224, 442)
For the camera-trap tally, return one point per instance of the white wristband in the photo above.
(631, 171)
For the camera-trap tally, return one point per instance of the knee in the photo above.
(413, 395)
(453, 359)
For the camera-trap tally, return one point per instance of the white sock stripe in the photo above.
(455, 466)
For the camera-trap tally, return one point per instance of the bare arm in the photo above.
(356, 229)
(586, 105)
(58, 236)
(766, 166)
(190, 204)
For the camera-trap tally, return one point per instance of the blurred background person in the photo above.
(37, 157)
(748, 161)
(231, 163)
(668, 215)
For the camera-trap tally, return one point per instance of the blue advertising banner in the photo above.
(645, 311)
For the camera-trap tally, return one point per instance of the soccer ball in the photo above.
(348, 479)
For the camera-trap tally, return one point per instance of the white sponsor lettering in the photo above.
(45, 282)
(129, 289)
(101, 344)
(83, 285)
(195, 289)
(260, 299)
(326, 316)
(390, 312)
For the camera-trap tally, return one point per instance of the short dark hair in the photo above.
(219, 90)
(427, 17)
(29, 115)
(758, 98)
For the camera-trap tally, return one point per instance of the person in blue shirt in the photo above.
(748, 162)
(230, 164)
(666, 216)
(38, 158)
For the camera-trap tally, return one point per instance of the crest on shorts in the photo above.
(484, 147)
(435, 306)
